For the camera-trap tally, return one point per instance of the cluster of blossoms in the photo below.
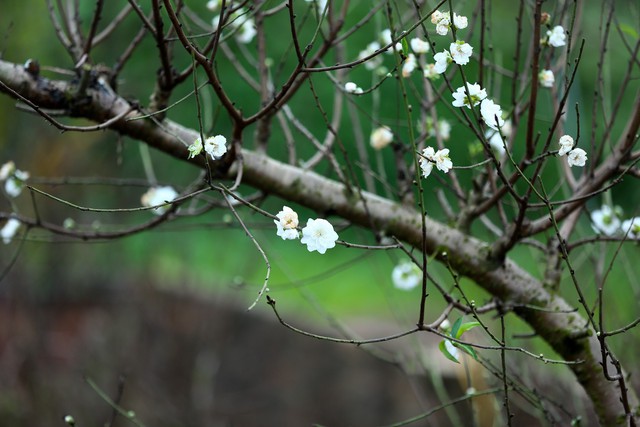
(14, 179)
(351, 87)
(160, 197)
(607, 221)
(318, 234)
(240, 23)
(442, 20)
(555, 37)
(430, 157)
(575, 156)
(215, 146)
(406, 276)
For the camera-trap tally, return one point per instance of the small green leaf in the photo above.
(629, 30)
(445, 352)
(405, 46)
(467, 349)
(465, 327)
(456, 326)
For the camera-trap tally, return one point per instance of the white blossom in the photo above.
(426, 161)
(460, 52)
(213, 5)
(577, 157)
(460, 22)
(247, 31)
(7, 170)
(605, 221)
(287, 223)
(385, 37)
(556, 36)
(436, 17)
(495, 141)
(442, 26)
(9, 230)
(443, 59)
(476, 95)
(566, 144)
(215, 146)
(351, 87)
(406, 276)
(159, 196)
(443, 162)
(15, 183)
(419, 46)
(372, 63)
(546, 78)
(430, 71)
(631, 226)
(319, 235)
(381, 137)
(195, 148)
(409, 65)
(489, 111)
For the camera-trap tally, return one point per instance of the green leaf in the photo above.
(465, 327)
(629, 30)
(467, 349)
(443, 350)
(405, 47)
(456, 326)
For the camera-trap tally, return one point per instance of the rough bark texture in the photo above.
(564, 331)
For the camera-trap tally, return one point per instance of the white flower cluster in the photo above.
(430, 157)
(575, 156)
(159, 196)
(14, 179)
(351, 87)
(555, 37)
(442, 20)
(607, 221)
(215, 146)
(546, 78)
(318, 234)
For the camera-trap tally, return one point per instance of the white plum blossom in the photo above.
(426, 161)
(460, 22)
(443, 59)
(442, 27)
(437, 16)
(419, 46)
(430, 71)
(631, 226)
(159, 196)
(406, 276)
(9, 230)
(577, 157)
(556, 36)
(489, 111)
(195, 148)
(495, 141)
(546, 78)
(15, 182)
(566, 144)
(215, 146)
(351, 87)
(460, 52)
(319, 235)
(287, 223)
(409, 65)
(476, 95)
(7, 170)
(385, 37)
(443, 162)
(442, 128)
(372, 63)
(242, 26)
(605, 221)
(381, 137)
